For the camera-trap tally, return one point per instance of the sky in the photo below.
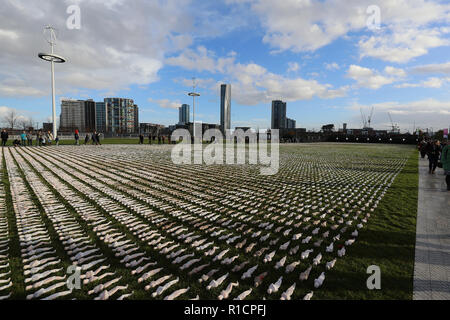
(330, 60)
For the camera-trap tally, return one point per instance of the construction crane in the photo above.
(363, 117)
(367, 121)
(395, 127)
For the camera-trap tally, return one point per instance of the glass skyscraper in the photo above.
(278, 114)
(184, 114)
(100, 116)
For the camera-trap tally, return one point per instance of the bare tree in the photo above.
(11, 118)
(25, 123)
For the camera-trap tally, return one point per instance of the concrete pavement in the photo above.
(432, 257)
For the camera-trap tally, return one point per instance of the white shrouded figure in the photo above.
(53, 58)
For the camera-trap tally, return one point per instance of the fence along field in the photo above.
(124, 222)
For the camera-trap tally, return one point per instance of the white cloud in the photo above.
(253, 84)
(368, 78)
(166, 103)
(120, 43)
(429, 83)
(332, 66)
(443, 68)
(304, 25)
(403, 44)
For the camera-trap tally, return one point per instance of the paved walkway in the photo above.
(432, 259)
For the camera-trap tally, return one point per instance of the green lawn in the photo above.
(387, 241)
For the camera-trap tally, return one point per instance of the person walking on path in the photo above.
(423, 148)
(30, 139)
(77, 137)
(433, 152)
(57, 140)
(4, 137)
(445, 159)
(23, 137)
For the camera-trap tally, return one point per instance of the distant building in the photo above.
(278, 114)
(100, 117)
(184, 114)
(122, 116)
(47, 126)
(291, 123)
(225, 107)
(150, 129)
(77, 114)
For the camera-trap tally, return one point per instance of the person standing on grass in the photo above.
(57, 140)
(4, 137)
(23, 137)
(97, 138)
(49, 138)
(86, 139)
(77, 137)
(141, 138)
(29, 139)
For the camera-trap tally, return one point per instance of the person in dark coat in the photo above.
(141, 139)
(4, 136)
(433, 153)
(445, 159)
(86, 139)
(97, 138)
(94, 138)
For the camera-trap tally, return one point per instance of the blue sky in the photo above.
(328, 59)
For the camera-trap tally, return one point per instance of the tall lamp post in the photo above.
(193, 94)
(52, 58)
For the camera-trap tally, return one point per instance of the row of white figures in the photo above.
(5, 268)
(126, 201)
(77, 244)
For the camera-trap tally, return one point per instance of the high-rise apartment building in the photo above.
(225, 107)
(184, 115)
(77, 114)
(122, 115)
(278, 115)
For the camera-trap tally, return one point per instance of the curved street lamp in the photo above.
(53, 58)
(193, 94)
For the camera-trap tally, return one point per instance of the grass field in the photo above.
(144, 224)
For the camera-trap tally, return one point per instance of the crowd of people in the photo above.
(94, 138)
(438, 156)
(26, 139)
